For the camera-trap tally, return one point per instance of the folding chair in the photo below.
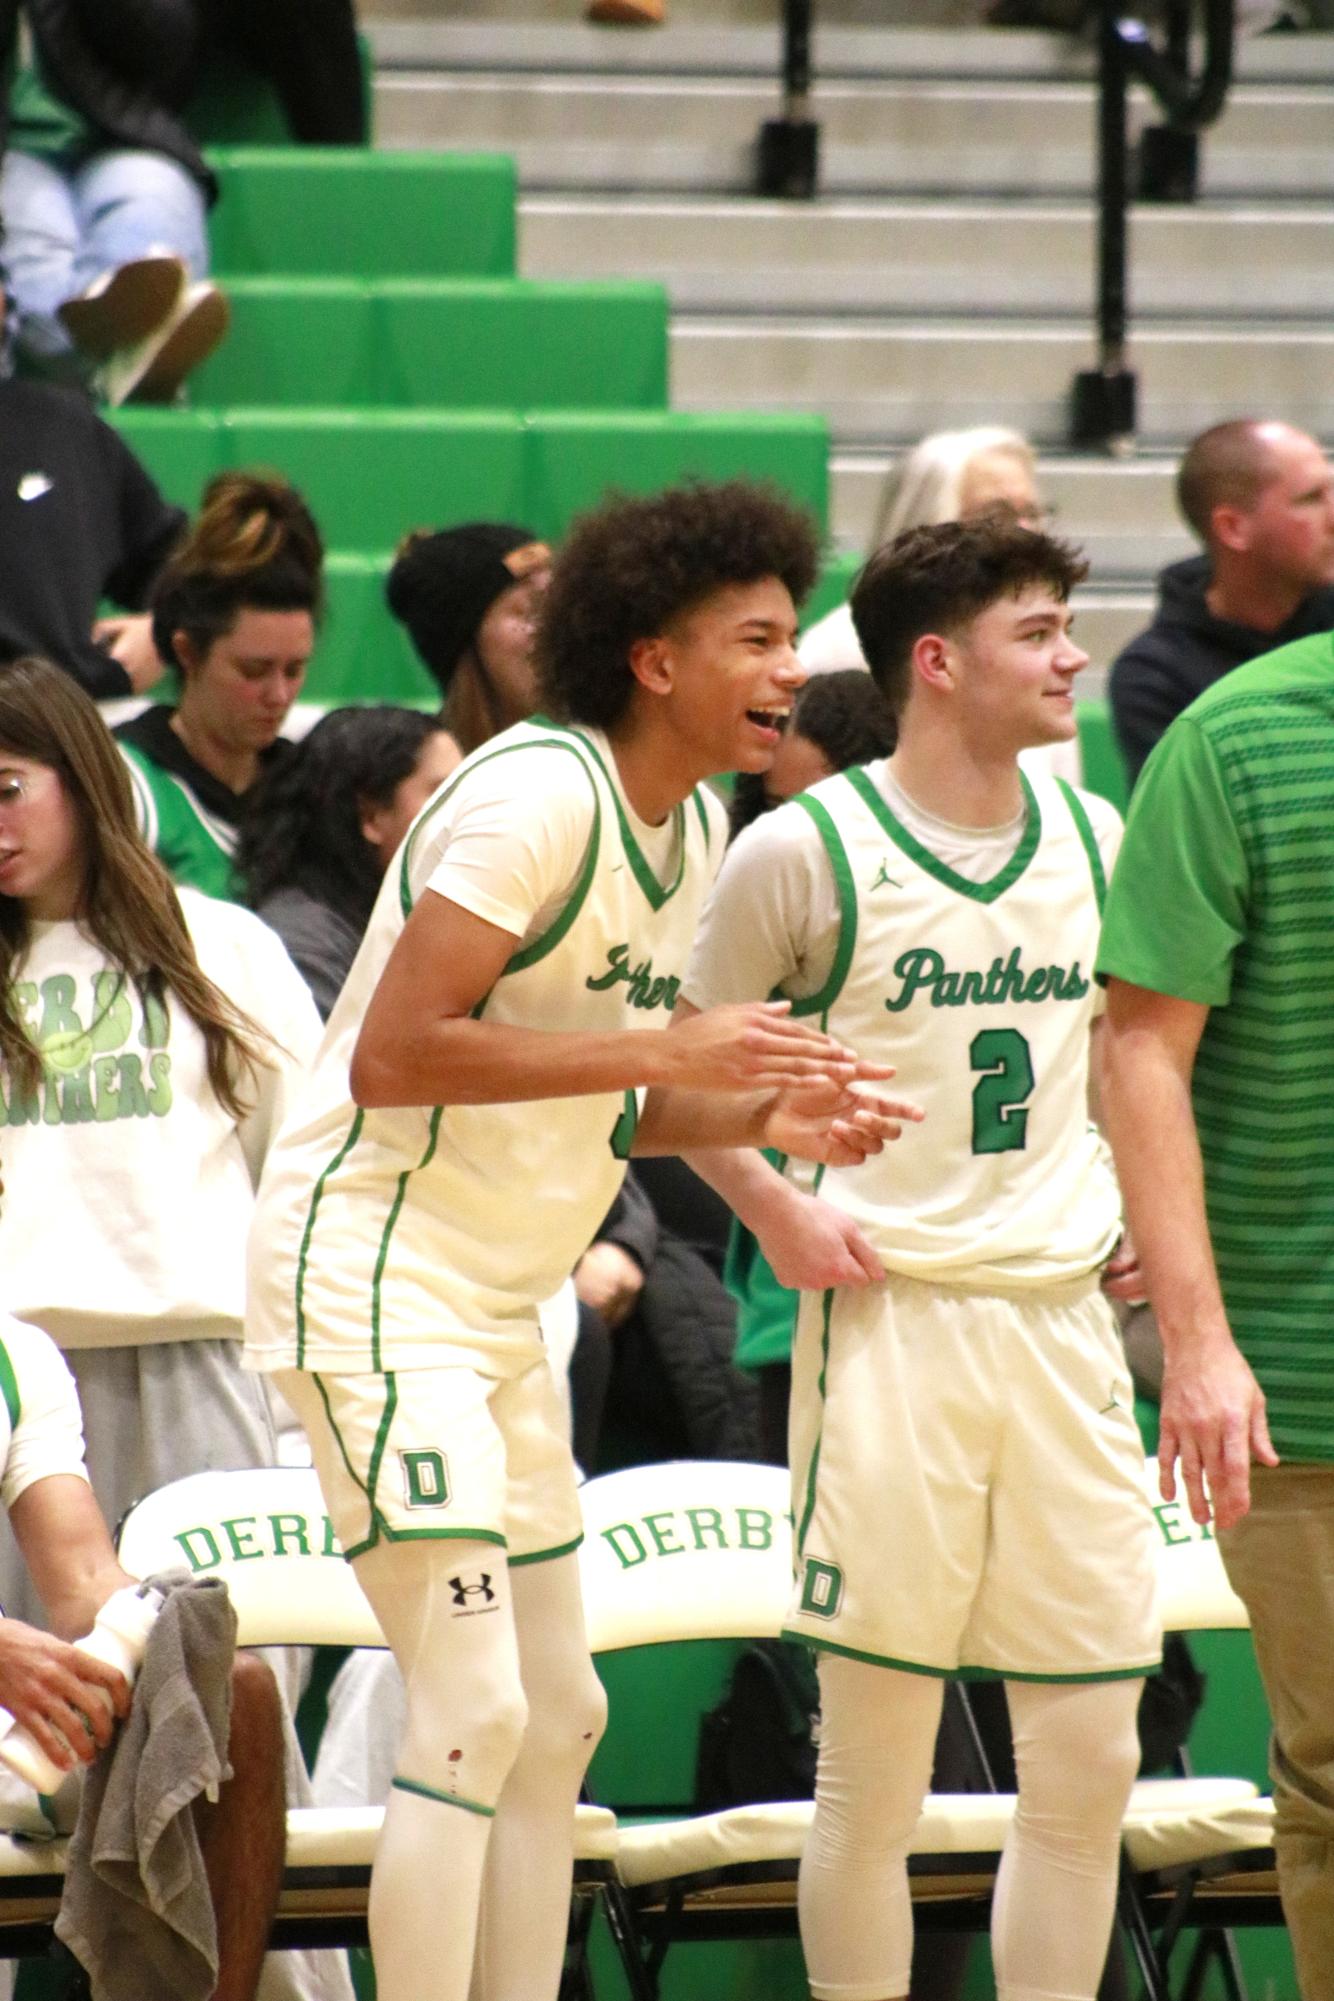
(696, 1550)
(267, 1534)
(1188, 1867)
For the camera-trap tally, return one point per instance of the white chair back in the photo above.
(692, 1549)
(266, 1531)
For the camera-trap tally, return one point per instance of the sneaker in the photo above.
(625, 13)
(124, 305)
(153, 369)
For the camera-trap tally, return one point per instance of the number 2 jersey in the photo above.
(979, 992)
(393, 1239)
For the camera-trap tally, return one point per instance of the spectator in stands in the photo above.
(949, 476)
(319, 831)
(234, 611)
(1260, 497)
(80, 520)
(469, 597)
(146, 1047)
(104, 190)
(104, 197)
(1219, 1039)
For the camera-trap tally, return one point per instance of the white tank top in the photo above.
(390, 1239)
(982, 996)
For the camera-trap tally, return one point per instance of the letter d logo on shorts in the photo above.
(821, 1588)
(425, 1478)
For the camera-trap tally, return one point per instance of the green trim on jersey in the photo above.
(961, 1673)
(442, 798)
(547, 941)
(656, 892)
(846, 945)
(391, 1220)
(812, 1471)
(193, 845)
(302, 1257)
(545, 1555)
(9, 1388)
(705, 824)
(441, 1799)
(378, 1526)
(980, 892)
(1084, 828)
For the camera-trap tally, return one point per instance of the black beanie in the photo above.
(442, 585)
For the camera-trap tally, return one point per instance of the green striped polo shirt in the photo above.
(1224, 894)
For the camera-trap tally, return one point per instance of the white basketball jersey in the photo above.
(390, 1239)
(981, 995)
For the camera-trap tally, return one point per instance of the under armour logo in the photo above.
(482, 1589)
(885, 877)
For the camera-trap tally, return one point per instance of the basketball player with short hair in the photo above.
(464, 1132)
(967, 1475)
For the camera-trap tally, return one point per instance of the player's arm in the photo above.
(419, 1043)
(67, 1699)
(1213, 1411)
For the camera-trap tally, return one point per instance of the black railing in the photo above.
(1104, 398)
(789, 147)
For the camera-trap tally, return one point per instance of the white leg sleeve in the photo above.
(446, 1609)
(526, 1889)
(877, 1741)
(1077, 1751)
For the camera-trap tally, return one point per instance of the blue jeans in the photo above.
(67, 223)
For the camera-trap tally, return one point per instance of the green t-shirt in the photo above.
(1224, 894)
(42, 123)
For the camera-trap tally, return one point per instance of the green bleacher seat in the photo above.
(468, 343)
(372, 474)
(575, 457)
(363, 654)
(340, 212)
(1104, 768)
(181, 448)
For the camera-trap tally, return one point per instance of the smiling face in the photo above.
(729, 669)
(1289, 529)
(238, 692)
(42, 851)
(1012, 672)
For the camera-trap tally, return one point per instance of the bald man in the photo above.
(1260, 497)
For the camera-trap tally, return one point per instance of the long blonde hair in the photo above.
(927, 486)
(128, 905)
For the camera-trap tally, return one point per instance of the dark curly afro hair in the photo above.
(632, 566)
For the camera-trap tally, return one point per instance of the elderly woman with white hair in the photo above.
(949, 476)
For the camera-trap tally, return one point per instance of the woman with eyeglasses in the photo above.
(148, 1040)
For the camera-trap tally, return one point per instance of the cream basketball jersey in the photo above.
(390, 1239)
(982, 996)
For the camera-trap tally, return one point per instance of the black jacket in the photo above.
(1187, 649)
(80, 520)
(129, 67)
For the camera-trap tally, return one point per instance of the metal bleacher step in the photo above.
(660, 132)
(1002, 257)
(894, 379)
